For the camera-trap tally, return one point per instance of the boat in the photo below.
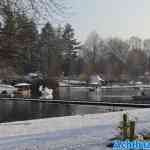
(7, 90)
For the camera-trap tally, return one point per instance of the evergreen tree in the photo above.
(18, 42)
(27, 39)
(70, 45)
(50, 50)
(8, 49)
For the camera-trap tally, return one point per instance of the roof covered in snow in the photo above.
(22, 84)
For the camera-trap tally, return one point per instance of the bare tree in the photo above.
(91, 48)
(37, 9)
(118, 48)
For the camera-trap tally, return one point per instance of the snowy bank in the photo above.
(67, 133)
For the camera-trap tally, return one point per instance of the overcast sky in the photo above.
(121, 18)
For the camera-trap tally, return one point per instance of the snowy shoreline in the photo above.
(47, 133)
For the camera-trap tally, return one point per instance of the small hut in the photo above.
(23, 90)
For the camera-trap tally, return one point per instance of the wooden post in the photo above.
(132, 130)
(125, 126)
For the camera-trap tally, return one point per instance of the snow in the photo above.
(22, 84)
(68, 133)
(6, 86)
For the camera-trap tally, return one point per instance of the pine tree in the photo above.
(18, 42)
(70, 47)
(50, 50)
(27, 39)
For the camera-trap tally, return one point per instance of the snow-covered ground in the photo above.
(87, 132)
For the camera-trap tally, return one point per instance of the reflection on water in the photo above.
(14, 110)
(20, 110)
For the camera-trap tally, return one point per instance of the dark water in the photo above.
(21, 110)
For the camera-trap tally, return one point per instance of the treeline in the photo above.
(116, 59)
(54, 51)
(25, 49)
